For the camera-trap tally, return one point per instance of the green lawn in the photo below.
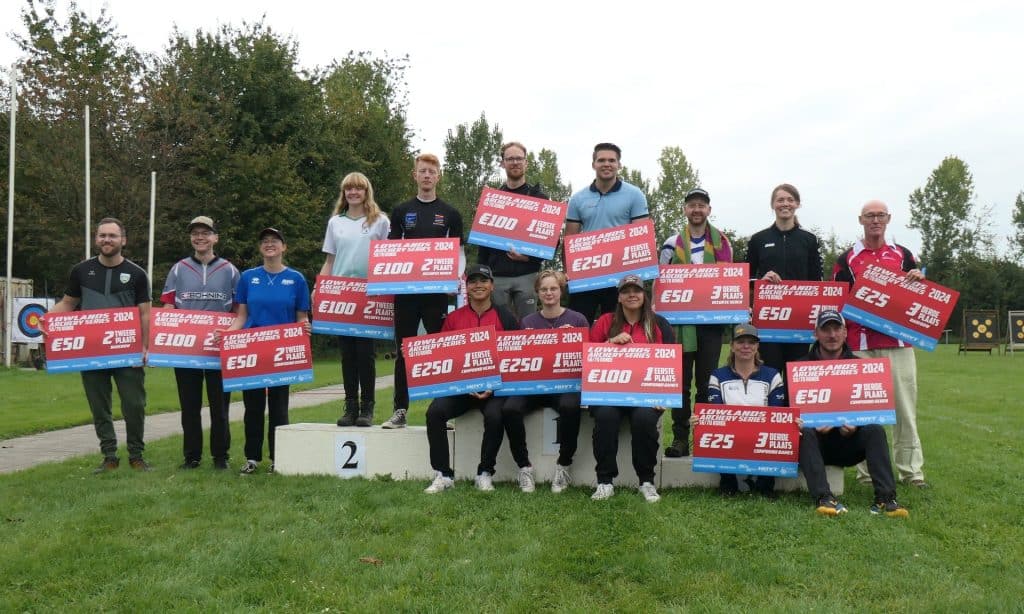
(205, 541)
(35, 401)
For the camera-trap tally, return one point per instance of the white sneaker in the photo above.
(526, 481)
(604, 491)
(484, 482)
(250, 466)
(440, 484)
(649, 492)
(396, 421)
(561, 480)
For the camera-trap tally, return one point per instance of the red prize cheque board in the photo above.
(842, 392)
(265, 356)
(912, 311)
(632, 375)
(744, 439)
(546, 361)
(506, 220)
(413, 266)
(599, 259)
(93, 339)
(342, 307)
(702, 293)
(184, 338)
(787, 312)
(452, 363)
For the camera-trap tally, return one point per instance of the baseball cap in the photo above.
(202, 220)
(698, 192)
(630, 280)
(830, 315)
(479, 270)
(745, 330)
(271, 231)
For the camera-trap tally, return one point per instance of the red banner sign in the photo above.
(413, 266)
(184, 338)
(787, 312)
(342, 307)
(599, 259)
(843, 392)
(633, 375)
(266, 356)
(703, 293)
(745, 440)
(447, 364)
(547, 361)
(915, 312)
(93, 339)
(505, 220)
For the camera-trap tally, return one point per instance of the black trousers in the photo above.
(698, 363)
(594, 302)
(568, 407)
(443, 409)
(190, 397)
(410, 310)
(275, 400)
(832, 448)
(358, 368)
(643, 423)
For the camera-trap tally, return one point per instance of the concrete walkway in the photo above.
(54, 446)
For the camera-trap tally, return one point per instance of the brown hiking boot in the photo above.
(139, 464)
(109, 463)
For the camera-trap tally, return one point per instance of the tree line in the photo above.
(236, 129)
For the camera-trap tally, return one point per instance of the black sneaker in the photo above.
(189, 464)
(220, 464)
(109, 463)
(889, 508)
(139, 464)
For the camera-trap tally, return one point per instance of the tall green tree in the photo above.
(943, 212)
(1018, 224)
(64, 66)
(543, 169)
(471, 152)
(365, 100)
(240, 133)
(675, 178)
(636, 177)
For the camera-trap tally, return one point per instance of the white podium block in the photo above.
(326, 449)
(541, 435)
(678, 473)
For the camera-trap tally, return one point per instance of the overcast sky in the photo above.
(848, 102)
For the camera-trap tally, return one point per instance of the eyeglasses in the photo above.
(874, 217)
(515, 160)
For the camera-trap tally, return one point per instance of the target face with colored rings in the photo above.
(29, 320)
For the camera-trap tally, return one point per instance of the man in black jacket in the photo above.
(514, 273)
(844, 446)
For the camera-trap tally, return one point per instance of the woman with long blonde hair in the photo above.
(357, 220)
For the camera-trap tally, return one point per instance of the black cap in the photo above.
(830, 315)
(479, 270)
(745, 330)
(698, 193)
(271, 231)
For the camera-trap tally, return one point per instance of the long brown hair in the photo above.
(358, 180)
(646, 319)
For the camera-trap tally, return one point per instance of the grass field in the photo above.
(206, 541)
(36, 401)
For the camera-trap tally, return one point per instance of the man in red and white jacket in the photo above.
(869, 343)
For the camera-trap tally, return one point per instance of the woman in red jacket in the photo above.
(633, 321)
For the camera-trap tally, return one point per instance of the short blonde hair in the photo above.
(560, 279)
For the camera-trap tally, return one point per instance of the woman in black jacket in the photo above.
(784, 251)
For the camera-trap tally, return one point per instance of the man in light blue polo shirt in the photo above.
(606, 203)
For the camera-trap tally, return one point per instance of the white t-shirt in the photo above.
(349, 241)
